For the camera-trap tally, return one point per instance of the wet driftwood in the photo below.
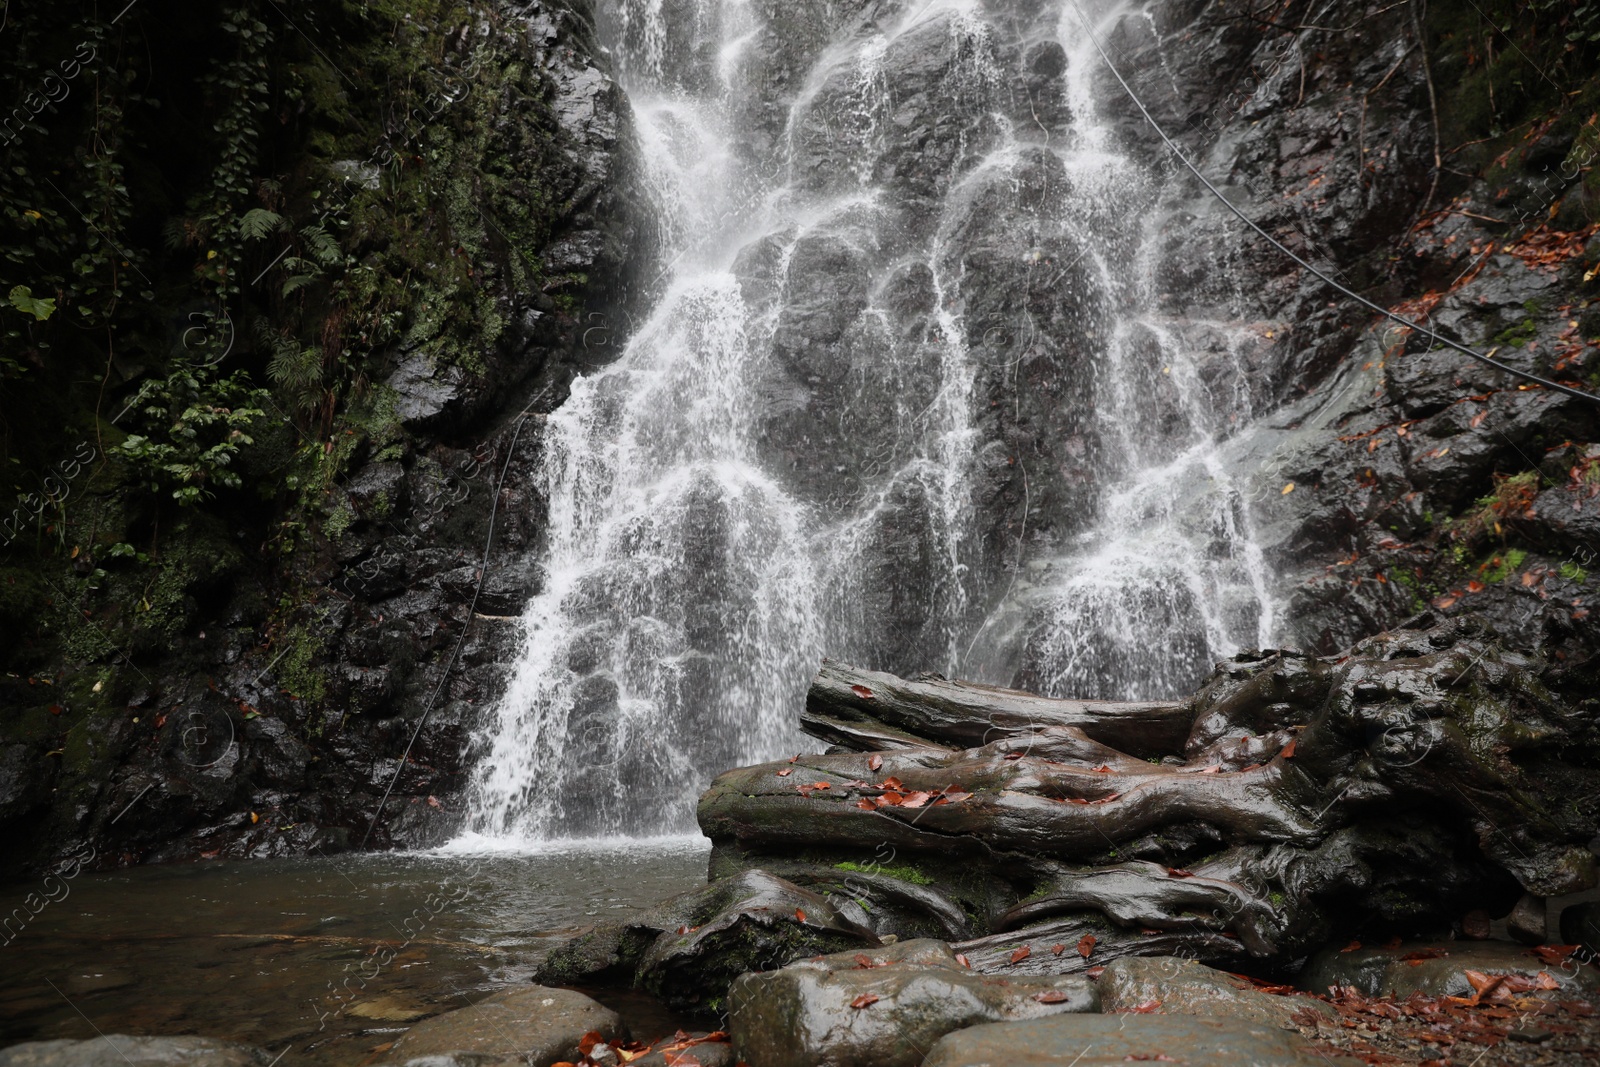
(871, 710)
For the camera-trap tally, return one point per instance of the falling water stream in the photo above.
(904, 395)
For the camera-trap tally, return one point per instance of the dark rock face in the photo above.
(1398, 454)
(272, 732)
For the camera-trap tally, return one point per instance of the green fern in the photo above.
(258, 223)
(322, 246)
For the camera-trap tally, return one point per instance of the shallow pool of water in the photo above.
(327, 958)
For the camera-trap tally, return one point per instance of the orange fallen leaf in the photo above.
(1086, 945)
(799, 915)
(1021, 954)
(963, 960)
(874, 761)
(1351, 947)
(786, 772)
(865, 1000)
(1288, 750)
(1050, 996)
(1555, 955)
(866, 804)
(861, 691)
(1476, 586)
(1056, 950)
(588, 1041)
(893, 783)
(1418, 955)
(1484, 984)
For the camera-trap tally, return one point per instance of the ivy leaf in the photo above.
(40, 308)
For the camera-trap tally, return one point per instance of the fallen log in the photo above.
(852, 707)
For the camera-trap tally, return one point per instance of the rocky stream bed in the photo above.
(1384, 854)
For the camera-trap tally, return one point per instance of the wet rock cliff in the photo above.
(251, 668)
(1056, 396)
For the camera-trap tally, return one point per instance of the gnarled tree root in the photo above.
(1294, 799)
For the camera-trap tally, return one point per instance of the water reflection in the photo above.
(331, 958)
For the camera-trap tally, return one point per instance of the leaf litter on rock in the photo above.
(595, 1051)
(1485, 1018)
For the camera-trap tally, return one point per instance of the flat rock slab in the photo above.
(1177, 986)
(1437, 968)
(1107, 1040)
(884, 1007)
(121, 1050)
(536, 1025)
(676, 1052)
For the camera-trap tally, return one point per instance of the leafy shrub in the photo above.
(194, 426)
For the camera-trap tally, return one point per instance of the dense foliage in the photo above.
(216, 226)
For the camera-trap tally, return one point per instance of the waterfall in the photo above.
(905, 395)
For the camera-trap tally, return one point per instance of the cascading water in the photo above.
(903, 398)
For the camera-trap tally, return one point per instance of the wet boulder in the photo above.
(688, 949)
(1444, 968)
(881, 1008)
(536, 1026)
(1106, 1040)
(682, 1049)
(122, 1050)
(1177, 986)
